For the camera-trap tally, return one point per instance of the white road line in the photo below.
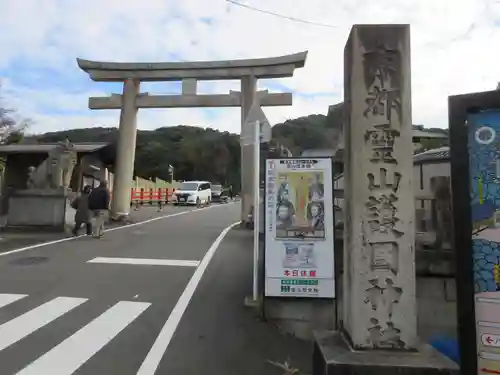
(146, 262)
(7, 299)
(20, 327)
(72, 353)
(107, 230)
(152, 360)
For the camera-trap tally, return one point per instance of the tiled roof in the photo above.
(442, 153)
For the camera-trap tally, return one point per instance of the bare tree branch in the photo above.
(12, 126)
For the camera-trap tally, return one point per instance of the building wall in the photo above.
(422, 176)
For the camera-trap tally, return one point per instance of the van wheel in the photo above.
(198, 202)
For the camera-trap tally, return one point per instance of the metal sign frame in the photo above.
(459, 107)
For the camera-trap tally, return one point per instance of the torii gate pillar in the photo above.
(125, 151)
(248, 93)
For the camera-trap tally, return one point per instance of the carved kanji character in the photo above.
(381, 139)
(382, 79)
(381, 102)
(373, 294)
(375, 332)
(383, 184)
(391, 336)
(391, 295)
(382, 213)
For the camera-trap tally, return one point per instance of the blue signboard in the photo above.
(484, 182)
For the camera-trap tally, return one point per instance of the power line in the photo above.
(280, 15)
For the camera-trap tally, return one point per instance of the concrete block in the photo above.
(436, 313)
(333, 356)
(300, 317)
(430, 288)
(37, 209)
(436, 317)
(450, 290)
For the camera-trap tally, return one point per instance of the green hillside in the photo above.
(193, 151)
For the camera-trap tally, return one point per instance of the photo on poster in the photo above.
(484, 170)
(299, 255)
(300, 208)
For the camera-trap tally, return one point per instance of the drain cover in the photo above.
(29, 261)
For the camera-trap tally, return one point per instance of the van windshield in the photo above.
(189, 186)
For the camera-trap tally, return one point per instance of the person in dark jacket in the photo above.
(83, 214)
(99, 204)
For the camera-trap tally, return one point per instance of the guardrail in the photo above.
(151, 196)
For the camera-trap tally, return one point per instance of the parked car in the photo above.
(193, 193)
(217, 191)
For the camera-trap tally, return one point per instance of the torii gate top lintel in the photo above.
(272, 67)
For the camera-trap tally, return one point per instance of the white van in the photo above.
(193, 192)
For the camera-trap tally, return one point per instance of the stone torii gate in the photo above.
(248, 71)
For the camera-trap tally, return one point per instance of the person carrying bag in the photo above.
(83, 214)
(99, 200)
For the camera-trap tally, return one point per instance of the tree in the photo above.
(12, 127)
(431, 144)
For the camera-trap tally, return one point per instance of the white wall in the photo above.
(423, 186)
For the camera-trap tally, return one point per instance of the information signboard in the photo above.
(484, 176)
(299, 228)
(475, 176)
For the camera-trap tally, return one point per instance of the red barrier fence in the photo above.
(151, 196)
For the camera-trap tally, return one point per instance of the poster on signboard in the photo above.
(299, 236)
(484, 173)
(300, 205)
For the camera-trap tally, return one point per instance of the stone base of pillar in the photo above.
(120, 218)
(333, 356)
(246, 224)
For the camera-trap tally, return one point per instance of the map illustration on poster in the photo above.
(299, 228)
(484, 167)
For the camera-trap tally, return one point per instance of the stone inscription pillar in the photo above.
(248, 92)
(379, 306)
(125, 153)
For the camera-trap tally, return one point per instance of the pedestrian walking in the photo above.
(230, 190)
(99, 200)
(83, 214)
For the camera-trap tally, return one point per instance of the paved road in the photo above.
(70, 308)
(17, 239)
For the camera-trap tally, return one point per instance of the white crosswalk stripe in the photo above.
(20, 327)
(7, 299)
(73, 352)
(70, 354)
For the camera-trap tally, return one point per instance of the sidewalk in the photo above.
(219, 335)
(17, 239)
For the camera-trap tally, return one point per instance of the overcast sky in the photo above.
(455, 49)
